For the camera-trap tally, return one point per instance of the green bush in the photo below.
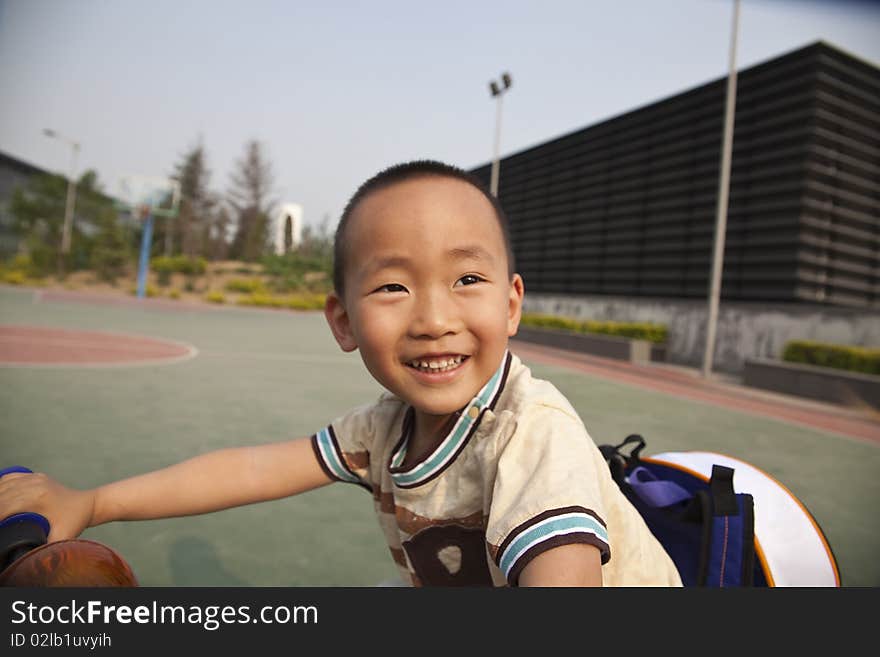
(14, 277)
(40, 260)
(262, 300)
(295, 302)
(289, 283)
(149, 291)
(245, 286)
(297, 264)
(109, 254)
(838, 356)
(215, 297)
(307, 302)
(109, 263)
(656, 333)
(180, 264)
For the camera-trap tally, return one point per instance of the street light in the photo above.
(71, 195)
(497, 92)
(723, 195)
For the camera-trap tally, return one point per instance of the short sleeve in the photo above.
(344, 446)
(546, 491)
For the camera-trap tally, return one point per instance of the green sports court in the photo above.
(249, 376)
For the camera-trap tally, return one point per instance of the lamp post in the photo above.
(723, 193)
(497, 92)
(71, 197)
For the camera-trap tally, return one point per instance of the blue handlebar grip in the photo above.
(15, 468)
(23, 517)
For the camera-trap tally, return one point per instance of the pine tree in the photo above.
(249, 195)
(196, 203)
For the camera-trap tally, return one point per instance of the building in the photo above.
(617, 220)
(287, 228)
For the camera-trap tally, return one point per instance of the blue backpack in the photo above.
(756, 533)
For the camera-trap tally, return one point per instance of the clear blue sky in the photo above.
(337, 90)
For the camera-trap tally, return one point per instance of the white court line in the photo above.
(191, 351)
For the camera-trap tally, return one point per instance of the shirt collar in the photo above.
(454, 442)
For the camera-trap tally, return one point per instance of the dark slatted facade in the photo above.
(627, 206)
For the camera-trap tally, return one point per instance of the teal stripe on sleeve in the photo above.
(570, 523)
(332, 459)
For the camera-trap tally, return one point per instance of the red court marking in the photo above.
(678, 384)
(34, 345)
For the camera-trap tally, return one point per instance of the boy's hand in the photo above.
(68, 511)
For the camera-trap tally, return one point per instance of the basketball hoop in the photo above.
(144, 196)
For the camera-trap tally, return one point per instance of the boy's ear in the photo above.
(340, 325)
(514, 308)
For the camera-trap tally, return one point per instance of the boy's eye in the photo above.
(390, 287)
(469, 279)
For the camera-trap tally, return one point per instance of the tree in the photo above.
(249, 195)
(111, 251)
(38, 218)
(217, 239)
(187, 232)
(317, 241)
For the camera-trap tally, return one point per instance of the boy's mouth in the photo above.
(438, 364)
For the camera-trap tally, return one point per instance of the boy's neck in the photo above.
(428, 431)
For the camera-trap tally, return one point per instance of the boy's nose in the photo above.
(434, 316)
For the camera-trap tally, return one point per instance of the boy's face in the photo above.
(428, 301)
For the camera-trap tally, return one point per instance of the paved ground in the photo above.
(268, 375)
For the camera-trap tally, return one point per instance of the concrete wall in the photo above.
(745, 330)
(822, 383)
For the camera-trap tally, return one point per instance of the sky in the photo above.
(337, 90)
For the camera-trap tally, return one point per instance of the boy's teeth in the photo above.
(440, 365)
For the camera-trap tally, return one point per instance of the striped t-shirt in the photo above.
(517, 475)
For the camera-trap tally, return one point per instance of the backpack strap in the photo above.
(728, 551)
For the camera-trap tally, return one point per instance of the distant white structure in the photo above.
(289, 218)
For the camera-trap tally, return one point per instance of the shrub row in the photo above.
(245, 286)
(13, 277)
(180, 264)
(150, 291)
(295, 302)
(20, 270)
(838, 356)
(656, 333)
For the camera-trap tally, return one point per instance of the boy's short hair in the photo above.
(407, 171)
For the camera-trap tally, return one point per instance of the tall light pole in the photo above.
(497, 92)
(71, 196)
(723, 194)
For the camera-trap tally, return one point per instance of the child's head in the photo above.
(425, 287)
(399, 173)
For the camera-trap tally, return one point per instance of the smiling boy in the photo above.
(480, 474)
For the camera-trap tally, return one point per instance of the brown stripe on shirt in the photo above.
(357, 460)
(411, 523)
(385, 501)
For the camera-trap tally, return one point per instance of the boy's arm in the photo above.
(209, 482)
(577, 564)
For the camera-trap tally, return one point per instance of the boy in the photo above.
(481, 475)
